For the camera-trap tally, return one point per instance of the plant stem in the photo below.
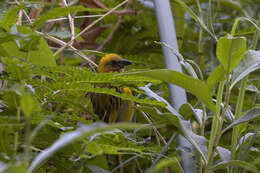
(202, 132)
(215, 126)
(16, 135)
(27, 141)
(236, 129)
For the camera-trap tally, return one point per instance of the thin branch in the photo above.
(157, 133)
(71, 22)
(164, 149)
(89, 26)
(62, 43)
(110, 36)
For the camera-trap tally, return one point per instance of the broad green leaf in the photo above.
(250, 63)
(230, 51)
(194, 86)
(17, 70)
(242, 164)
(43, 56)
(172, 163)
(250, 115)
(11, 45)
(9, 18)
(29, 104)
(216, 76)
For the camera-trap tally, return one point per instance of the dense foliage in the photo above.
(49, 51)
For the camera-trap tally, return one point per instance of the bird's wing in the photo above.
(126, 111)
(106, 107)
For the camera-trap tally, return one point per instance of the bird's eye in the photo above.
(113, 62)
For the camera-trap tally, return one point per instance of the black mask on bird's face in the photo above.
(112, 63)
(116, 65)
(119, 64)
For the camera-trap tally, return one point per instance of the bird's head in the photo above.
(112, 63)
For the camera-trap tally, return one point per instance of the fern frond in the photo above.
(52, 90)
(83, 75)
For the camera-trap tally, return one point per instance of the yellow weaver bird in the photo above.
(109, 108)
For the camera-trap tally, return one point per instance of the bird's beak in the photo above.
(124, 62)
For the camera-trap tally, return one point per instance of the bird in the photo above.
(111, 109)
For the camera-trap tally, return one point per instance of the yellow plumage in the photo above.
(109, 108)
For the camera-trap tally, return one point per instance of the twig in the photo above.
(58, 41)
(88, 27)
(164, 149)
(71, 22)
(110, 36)
(157, 133)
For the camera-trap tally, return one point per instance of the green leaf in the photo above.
(216, 76)
(40, 56)
(187, 110)
(173, 163)
(199, 142)
(194, 86)
(29, 104)
(9, 18)
(74, 136)
(250, 63)
(242, 164)
(18, 70)
(230, 51)
(43, 56)
(250, 115)
(94, 148)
